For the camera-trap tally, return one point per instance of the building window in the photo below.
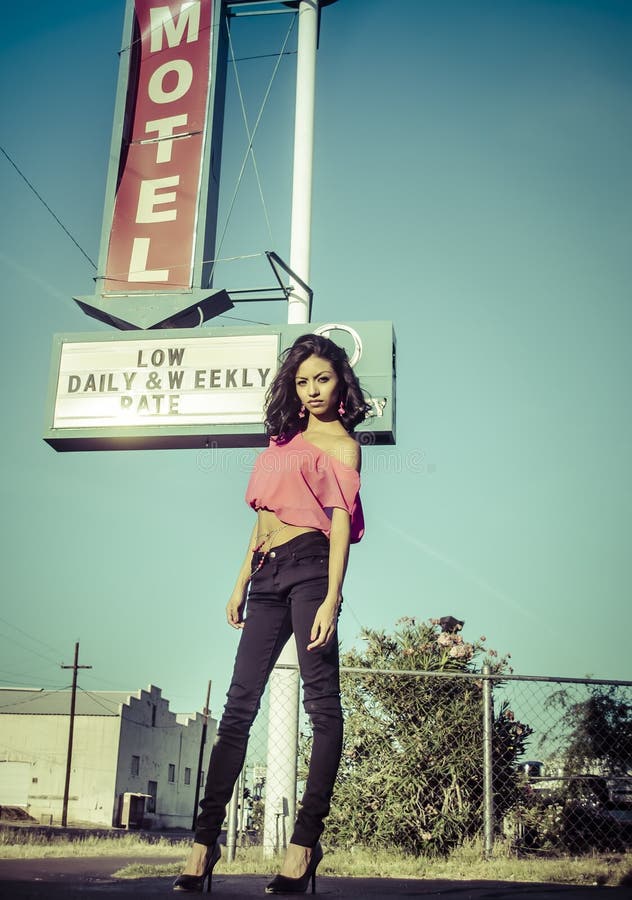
(172, 773)
(187, 775)
(152, 790)
(153, 715)
(135, 765)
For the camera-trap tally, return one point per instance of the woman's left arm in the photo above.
(326, 617)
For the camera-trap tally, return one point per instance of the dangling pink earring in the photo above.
(341, 408)
(301, 412)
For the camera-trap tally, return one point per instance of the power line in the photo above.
(115, 685)
(113, 708)
(101, 701)
(124, 276)
(157, 27)
(44, 203)
(29, 636)
(37, 696)
(12, 640)
(266, 55)
(238, 319)
(34, 675)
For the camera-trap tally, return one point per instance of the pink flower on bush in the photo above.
(461, 651)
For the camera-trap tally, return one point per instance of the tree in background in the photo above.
(589, 738)
(411, 771)
(597, 731)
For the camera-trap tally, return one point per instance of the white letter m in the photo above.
(162, 23)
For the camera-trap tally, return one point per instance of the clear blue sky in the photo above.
(473, 184)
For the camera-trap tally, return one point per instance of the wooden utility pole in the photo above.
(205, 715)
(73, 699)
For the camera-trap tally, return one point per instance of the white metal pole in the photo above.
(300, 238)
(280, 796)
(231, 832)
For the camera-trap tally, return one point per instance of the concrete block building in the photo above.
(133, 759)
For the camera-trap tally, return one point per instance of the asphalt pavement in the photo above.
(79, 877)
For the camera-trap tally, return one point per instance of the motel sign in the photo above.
(160, 212)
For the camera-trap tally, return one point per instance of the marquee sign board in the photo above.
(196, 387)
(159, 221)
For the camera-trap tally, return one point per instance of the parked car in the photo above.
(591, 820)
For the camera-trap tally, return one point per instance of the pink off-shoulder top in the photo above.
(302, 485)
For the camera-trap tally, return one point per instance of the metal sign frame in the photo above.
(370, 346)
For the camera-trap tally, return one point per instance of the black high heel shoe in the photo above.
(194, 884)
(281, 884)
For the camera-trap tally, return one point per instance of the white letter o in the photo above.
(184, 71)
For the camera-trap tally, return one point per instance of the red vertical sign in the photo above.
(152, 236)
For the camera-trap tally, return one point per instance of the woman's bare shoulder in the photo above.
(342, 446)
(348, 452)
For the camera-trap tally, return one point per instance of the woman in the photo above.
(305, 489)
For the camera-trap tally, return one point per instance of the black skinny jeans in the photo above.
(283, 598)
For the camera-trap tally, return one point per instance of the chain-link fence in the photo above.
(434, 759)
(575, 791)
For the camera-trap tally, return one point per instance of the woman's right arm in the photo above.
(235, 605)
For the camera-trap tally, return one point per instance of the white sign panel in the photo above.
(172, 381)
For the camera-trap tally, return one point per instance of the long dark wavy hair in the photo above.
(282, 405)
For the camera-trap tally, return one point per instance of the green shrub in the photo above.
(411, 772)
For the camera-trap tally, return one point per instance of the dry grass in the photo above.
(465, 864)
(27, 844)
